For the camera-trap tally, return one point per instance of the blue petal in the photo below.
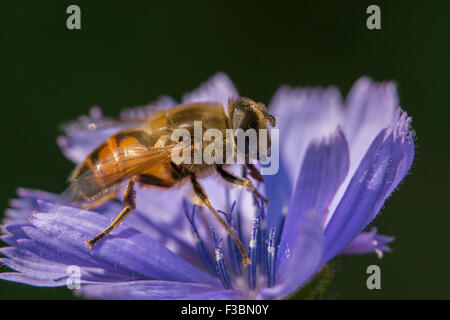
(404, 136)
(161, 221)
(303, 114)
(64, 229)
(147, 290)
(32, 280)
(40, 272)
(323, 170)
(301, 255)
(369, 108)
(368, 242)
(159, 216)
(20, 208)
(278, 190)
(384, 165)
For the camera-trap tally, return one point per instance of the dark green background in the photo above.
(130, 52)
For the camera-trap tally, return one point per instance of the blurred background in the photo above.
(129, 53)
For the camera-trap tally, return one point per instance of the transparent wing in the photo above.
(105, 175)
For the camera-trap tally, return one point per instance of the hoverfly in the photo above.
(142, 155)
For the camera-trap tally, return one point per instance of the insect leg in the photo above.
(242, 182)
(130, 204)
(254, 173)
(205, 199)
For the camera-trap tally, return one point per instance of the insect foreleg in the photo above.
(205, 199)
(242, 182)
(130, 204)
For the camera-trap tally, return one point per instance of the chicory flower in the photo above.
(340, 159)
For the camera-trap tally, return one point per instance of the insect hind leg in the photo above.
(200, 193)
(130, 205)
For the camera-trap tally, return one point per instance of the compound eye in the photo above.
(245, 119)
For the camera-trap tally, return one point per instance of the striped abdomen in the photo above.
(109, 164)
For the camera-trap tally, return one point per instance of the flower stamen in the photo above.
(253, 248)
(271, 255)
(232, 248)
(201, 247)
(220, 263)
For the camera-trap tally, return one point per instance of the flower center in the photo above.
(227, 264)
